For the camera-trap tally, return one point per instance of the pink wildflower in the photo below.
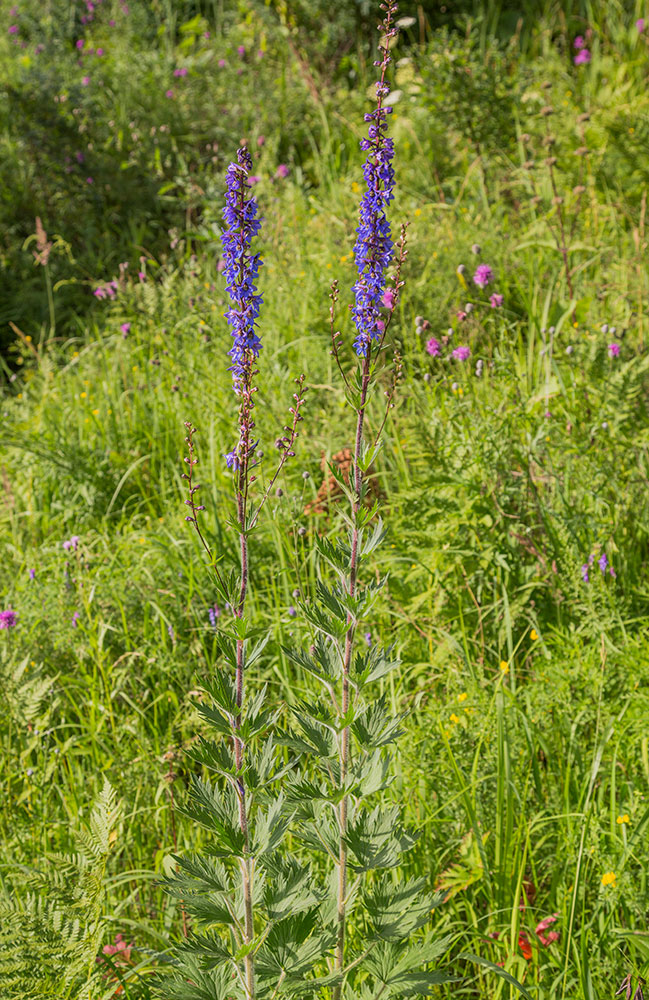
(582, 58)
(613, 350)
(433, 347)
(8, 619)
(483, 276)
(496, 300)
(462, 353)
(388, 298)
(282, 171)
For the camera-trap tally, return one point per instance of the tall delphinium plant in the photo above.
(325, 918)
(247, 820)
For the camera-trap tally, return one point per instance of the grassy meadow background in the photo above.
(507, 478)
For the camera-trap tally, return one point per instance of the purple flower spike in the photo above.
(584, 572)
(483, 276)
(214, 614)
(602, 562)
(32, 574)
(241, 268)
(373, 247)
(231, 460)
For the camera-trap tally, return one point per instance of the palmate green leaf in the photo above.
(289, 888)
(203, 970)
(270, 827)
(222, 691)
(217, 757)
(199, 874)
(323, 662)
(319, 726)
(396, 910)
(333, 600)
(399, 969)
(335, 628)
(377, 840)
(374, 540)
(372, 664)
(374, 727)
(348, 491)
(216, 810)
(294, 947)
(368, 774)
(317, 827)
(336, 553)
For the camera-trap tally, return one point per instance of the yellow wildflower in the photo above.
(623, 819)
(504, 666)
(534, 634)
(463, 696)
(609, 879)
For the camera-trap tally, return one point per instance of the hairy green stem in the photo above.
(347, 659)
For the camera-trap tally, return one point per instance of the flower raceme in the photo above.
(241, 268)
(373, 247)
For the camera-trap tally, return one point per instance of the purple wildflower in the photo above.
(125, 328)
(214, 613)
(462, 315)
(462, 352)
(32, 574)
(496, 300)
(579, 42)
(584, 572)
(241, 268)
(170, 632)
(72, 544)
(241, 51)
(640, 24)
(368, 638)
(291, 611)
(231, 460)
(582, 58)
(222, 64)
(282, 171)
(13, 29)
(8, 619)
(373, 247)
(80, 43)
(388, 298)
(602, 562)
(181, 71)
(169, 94)
(433, 347)
(483, 275)
(613, 350)
(85, 80)
(253, 179)
(74, 621)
